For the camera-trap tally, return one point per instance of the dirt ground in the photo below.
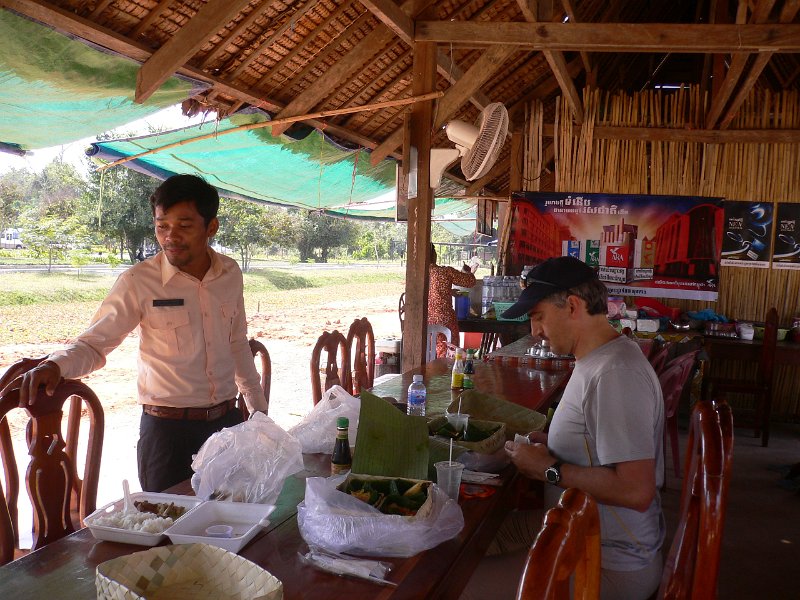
(289, 338)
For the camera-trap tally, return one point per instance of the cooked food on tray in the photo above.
(150, 517)
(390, 496)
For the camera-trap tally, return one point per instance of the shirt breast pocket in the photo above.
(171, 332)
(229, 312)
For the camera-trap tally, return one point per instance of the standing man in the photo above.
(188, 306)
(605, 437)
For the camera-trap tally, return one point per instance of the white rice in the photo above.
(139, 521)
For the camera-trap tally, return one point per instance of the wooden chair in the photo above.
(488, 343)
(692, 566)
(337, 367)
(760, 387)
(673, 379)
(401, 310)
(567, 544)
(58, 509)
(7, 535)
(259, 353)
(361, 349)
(434, 331)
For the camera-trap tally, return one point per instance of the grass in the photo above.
(40, 308)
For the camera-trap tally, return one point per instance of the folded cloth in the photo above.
(372, 570)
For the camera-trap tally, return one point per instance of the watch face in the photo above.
(552, 474)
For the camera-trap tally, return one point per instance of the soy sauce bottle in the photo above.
(341, 460)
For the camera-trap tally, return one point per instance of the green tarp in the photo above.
(313, 173)
(56, 90)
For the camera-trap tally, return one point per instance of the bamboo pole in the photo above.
(283, 121)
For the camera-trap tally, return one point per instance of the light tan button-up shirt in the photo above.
(193, 349)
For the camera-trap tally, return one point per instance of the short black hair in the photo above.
(183, 188)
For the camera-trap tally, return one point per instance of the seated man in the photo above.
(605, 438)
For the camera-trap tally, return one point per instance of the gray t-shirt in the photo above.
(612, 411)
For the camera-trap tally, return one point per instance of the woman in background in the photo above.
(440, 298)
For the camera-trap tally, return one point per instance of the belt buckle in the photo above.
(215, 412)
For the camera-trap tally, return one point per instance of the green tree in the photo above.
(58, 189)
(116, 208)
(52, 235)
(246, 226)
(15, 196)
(318, 234)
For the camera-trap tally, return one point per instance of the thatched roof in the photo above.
(292, 57)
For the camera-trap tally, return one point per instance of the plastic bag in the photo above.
(317, 431)
(338, 522)
(247, 462)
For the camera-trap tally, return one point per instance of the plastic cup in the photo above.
(459, 422)
(448, 477)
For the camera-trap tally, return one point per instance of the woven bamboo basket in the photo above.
(185, 572)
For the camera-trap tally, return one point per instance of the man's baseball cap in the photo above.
(553, 275)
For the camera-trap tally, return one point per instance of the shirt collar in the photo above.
(168, 270)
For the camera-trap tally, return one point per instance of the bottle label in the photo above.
(339, 469)
(468, 383)
(457, 382)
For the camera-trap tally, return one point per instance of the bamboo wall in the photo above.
(762, 172)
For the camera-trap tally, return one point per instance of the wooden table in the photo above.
(65, 569)
(522, 384)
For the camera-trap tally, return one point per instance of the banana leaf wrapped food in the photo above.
(390, 495)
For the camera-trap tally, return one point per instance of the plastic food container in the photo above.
(140, 538)
(245, 519)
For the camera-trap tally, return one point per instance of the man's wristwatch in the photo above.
(552, 474)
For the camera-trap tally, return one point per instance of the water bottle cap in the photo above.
(418, 378)
(342, 422)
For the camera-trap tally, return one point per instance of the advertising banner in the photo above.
(748, 234)
(658, 246)
(787, 237)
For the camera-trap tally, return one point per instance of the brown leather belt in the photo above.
(211, 413)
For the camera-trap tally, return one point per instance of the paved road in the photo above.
(106, 270)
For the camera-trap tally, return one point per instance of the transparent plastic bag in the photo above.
(317, 431)
(339, 522)
(247, 462)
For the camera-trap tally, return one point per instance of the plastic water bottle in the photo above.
(417, 395)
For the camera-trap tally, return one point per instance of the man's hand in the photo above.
(46, 374)
(530, 459)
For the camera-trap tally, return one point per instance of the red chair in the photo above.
(361, 348)
(659, 358)
(692, 566)
(673, 380)
(52, 472)
(337, 366)
(567, 544)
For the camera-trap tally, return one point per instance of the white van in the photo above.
(10, 238)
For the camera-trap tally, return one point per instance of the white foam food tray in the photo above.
(247, 519)
(140, 538)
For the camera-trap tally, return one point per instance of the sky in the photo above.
(36, 160)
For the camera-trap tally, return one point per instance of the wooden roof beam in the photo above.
(616, 37)
(374, 42)
(480, 72)
(72, 24)
(698, 136)
(558, 65)
(738, 63)
(573, 18)
(398, 19)
(163, 64)
(787, 15)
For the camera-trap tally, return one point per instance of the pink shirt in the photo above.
(193, 349)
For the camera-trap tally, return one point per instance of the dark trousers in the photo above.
(165, 448)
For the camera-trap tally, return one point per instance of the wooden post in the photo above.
(419, 208)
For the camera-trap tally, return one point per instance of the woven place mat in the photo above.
(185, 572)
